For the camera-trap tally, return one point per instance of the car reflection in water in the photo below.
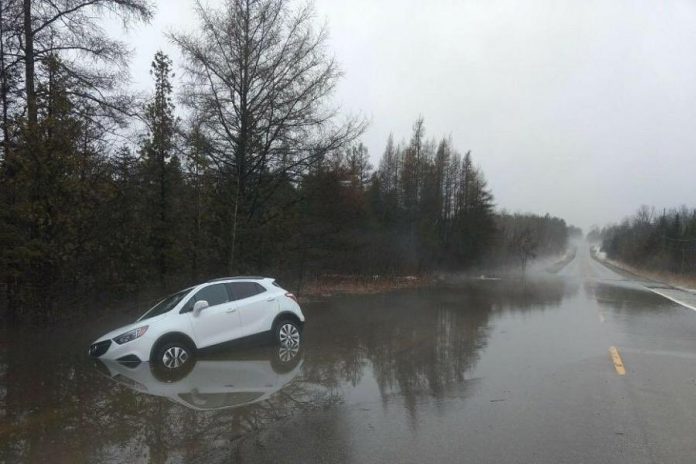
(209, 384)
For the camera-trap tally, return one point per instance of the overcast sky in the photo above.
(583, 109)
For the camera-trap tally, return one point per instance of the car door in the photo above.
(217, 323)
(257, 306)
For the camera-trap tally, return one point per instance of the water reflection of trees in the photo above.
(416, 344)
(55, 408)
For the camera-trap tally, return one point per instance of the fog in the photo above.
(581, 109)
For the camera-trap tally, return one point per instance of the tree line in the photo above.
(104, 192)
(658, 241)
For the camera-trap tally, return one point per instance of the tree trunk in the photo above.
(162, 232)
(3, 89)
(29, 67)
(233, 238)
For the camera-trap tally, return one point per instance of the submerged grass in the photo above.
(332, 284)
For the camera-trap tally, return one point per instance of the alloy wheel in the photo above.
(174, 357)
(289, 335)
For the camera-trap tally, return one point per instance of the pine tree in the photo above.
(161, 169)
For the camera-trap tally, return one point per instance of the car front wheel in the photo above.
(173, 355)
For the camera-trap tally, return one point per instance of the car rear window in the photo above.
(241, 290)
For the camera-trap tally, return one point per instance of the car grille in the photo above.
(99, 348)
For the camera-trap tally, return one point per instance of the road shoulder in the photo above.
(681, 296)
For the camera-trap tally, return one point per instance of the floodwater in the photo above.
(482, 371)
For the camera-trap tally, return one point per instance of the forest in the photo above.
(248, 168)
(662, 241)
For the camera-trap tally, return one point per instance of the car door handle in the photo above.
(270, 299)
(232, 310)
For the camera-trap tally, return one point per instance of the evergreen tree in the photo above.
(162, 170)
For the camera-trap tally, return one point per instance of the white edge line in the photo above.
(674, 300)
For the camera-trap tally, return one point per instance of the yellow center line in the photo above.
(618, 363)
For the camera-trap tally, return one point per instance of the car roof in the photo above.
(223, 279)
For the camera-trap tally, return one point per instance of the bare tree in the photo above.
(389, 167)
(359, 166)
(96, 64)
(260, 79)
(524, 245)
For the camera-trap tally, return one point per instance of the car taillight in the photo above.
(290, 295)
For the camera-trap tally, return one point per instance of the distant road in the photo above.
(589, 268)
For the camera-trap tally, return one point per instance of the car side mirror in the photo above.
(199, 306)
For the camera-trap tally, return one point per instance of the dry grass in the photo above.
(333, 284)
(676, 280)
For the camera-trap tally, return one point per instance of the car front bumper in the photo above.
(137, 350)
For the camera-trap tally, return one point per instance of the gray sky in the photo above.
(583, 109)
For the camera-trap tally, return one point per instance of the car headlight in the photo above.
(130, 335)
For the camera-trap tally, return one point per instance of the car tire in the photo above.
(287, 331)
(173, 354)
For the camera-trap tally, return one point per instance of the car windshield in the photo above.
(165, 305)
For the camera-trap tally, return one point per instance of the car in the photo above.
(204, 316)
(208, 384)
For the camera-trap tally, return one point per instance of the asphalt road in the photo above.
(543, 387)
(587, 366)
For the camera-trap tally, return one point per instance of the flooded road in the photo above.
(482, 371)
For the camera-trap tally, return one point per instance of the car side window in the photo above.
(213, 294)
(241, 290)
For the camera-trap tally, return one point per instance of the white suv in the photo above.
(208, 314)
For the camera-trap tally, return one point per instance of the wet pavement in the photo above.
(480, 371)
